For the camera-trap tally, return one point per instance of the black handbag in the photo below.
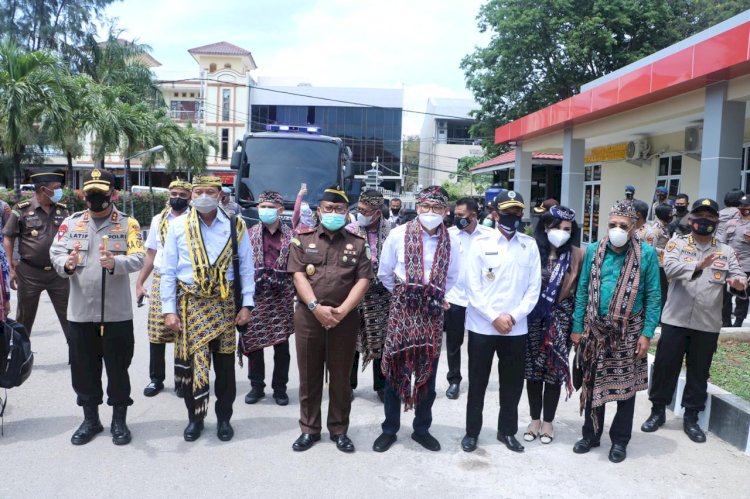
(16, 357)
(577, 370)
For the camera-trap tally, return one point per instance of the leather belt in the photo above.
(46, 268)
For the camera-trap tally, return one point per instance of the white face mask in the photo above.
(430, 220)
(558, 237)
(205, 203)
(618, 237)
(363, 220)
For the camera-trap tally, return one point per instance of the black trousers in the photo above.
(225, 387)
(87, 350)
(378, 380)
(622, 424)
(698, 348)
(156, 362)
(664, 285)
(547, 400)
(455, 318)
(740, 310)
(511, 353)
(256, 368)
(422, 411)
(726, 308)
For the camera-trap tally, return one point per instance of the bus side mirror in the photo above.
(353, 188)
(236, 160)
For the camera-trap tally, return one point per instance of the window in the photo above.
(184, 110)
(227, 65)
(212, 67)
(225, 104)
(225, 143)
(745, 168)
(670, 170)
(592, 185)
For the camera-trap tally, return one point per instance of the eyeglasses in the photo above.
(366, 212)
(435, 208)
(340, 210)
(623, 226)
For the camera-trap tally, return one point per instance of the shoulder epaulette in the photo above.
(77, 214)
(354, 231)
(61, 205)
(23, 204)
(307, 230)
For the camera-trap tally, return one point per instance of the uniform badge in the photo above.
(117, 246)
(354, 260)
(345, 258)
(34, 233)
(57, 212)
(490, 275)
(295, 241)
(311, 245)
(368, 252)
(670, 245)
(350, 246)
(310, 269)
(511, 194)
(717, 275)
(61, 231)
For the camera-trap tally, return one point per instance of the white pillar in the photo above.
(522, 178)
(571, 193)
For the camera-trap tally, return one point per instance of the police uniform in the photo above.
(691, 319)
(93, 337)
(333, 263)
(36, 228)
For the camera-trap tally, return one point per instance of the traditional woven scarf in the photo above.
(277, 274)
(430, 295)
(208, 277)
(384, 228)
(548, 295)
(164, 223)
(606, 334)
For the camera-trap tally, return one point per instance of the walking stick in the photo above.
(105, 240)
(325, 358)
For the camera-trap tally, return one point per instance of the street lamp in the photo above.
(126, 183)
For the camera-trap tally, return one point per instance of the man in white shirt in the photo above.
(418, 264)
(466, 228)
(503, 280)
(158, 334)
(197, 302)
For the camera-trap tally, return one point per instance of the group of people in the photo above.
(384, 289)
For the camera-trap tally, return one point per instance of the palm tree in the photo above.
(29, 83)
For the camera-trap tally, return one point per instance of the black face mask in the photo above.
(463, 223)
(509, 222)
(681, 210)
(178, 204)
(661, 197)
(394, 211)
(98, 201)
(703, 226)
(628, 195)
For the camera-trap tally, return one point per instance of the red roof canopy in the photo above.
(510, 157)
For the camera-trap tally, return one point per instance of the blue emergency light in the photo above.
(292, 128)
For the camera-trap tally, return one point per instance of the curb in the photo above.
(726, 334)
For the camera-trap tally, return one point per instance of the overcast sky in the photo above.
(414, 44)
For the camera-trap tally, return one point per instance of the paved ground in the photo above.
(39, 461)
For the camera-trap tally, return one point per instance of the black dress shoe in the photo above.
(224, 431)
(654, 421)
(305, 441)
(510, 442)
(469, 444)
(694, 432)
(617, 453)
(343, 443)
(90, 427)
(193, 431)
(179, 391)
(426, 440)
(281, 398)
(381, 395)
(254, 395)
(584, 445)
(383, 442)
(153, 388)
(452, 391)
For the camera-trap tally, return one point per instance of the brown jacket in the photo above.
(570, 281)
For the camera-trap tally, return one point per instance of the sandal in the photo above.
(530, 434)
(546, 438)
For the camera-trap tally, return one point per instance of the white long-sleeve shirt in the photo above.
(514, 290)
(154, 242)
(393, 259)
(176, 264)
(457, 295)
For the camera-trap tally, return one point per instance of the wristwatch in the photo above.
(312, 305)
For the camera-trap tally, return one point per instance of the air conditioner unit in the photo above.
(693, 139)
(638, 149)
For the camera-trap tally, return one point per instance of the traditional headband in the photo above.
(270, 197)
(206, 181)
(623, 209)
(180, 184)
(562, 213)
(373, 200)
(434, 194)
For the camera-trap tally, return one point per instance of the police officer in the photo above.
(35, 223)
(81, 253)
(698, 267)
(332, 271)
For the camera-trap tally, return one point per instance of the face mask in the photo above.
(268, 215)
(558, 237)
(395, 211)
(618, 237)
(364, 220)
(462, 223)
(98, 201)
(333, 221)
(509, 222)
(178, 204)
(745, 211)
(662, 197)
(703, 226)
(57, 195)
(681, 210)
(205, 203)
(488, 222)
(628, 195)
(430, 220)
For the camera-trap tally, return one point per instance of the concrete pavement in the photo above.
(39, 461)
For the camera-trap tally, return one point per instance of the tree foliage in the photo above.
(463, 183)
(542, 51)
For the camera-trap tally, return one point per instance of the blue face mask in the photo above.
(57, 195)
(268, 215)
(333, 221)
